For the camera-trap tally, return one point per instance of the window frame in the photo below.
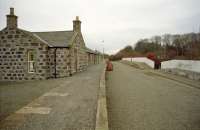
(31, 61)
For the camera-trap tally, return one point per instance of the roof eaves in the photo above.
(59, 47)
(90, 51)
(34, 35)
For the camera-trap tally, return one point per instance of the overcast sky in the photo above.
(116, 22)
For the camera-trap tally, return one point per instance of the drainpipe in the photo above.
(55, 74)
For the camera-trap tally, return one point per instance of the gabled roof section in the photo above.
(33, 35)
(56, 38)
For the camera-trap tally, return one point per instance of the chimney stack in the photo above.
(11, 19)
(77, 25)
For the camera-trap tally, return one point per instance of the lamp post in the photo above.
(103, 49)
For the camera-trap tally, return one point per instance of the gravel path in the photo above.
(138, 100)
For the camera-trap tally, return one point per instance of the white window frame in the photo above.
(31, 62)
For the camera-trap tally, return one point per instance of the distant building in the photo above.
(28, 55)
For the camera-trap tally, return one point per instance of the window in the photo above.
(31, 61)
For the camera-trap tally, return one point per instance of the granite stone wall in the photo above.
(79, 59)
(15, 44)
(14, 47)
(59, 64)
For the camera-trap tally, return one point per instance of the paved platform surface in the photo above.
(57, 104)
(143, 100)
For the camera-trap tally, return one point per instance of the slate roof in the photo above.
(55, 38)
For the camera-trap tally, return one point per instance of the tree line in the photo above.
(168, 46)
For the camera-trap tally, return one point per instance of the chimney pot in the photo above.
(12, 11)
(77, 17)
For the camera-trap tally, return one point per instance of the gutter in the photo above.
(58, 47)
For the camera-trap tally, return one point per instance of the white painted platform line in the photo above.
(56, 94)
(34, 110)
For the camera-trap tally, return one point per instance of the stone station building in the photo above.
(28, 55)
(94, 57)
